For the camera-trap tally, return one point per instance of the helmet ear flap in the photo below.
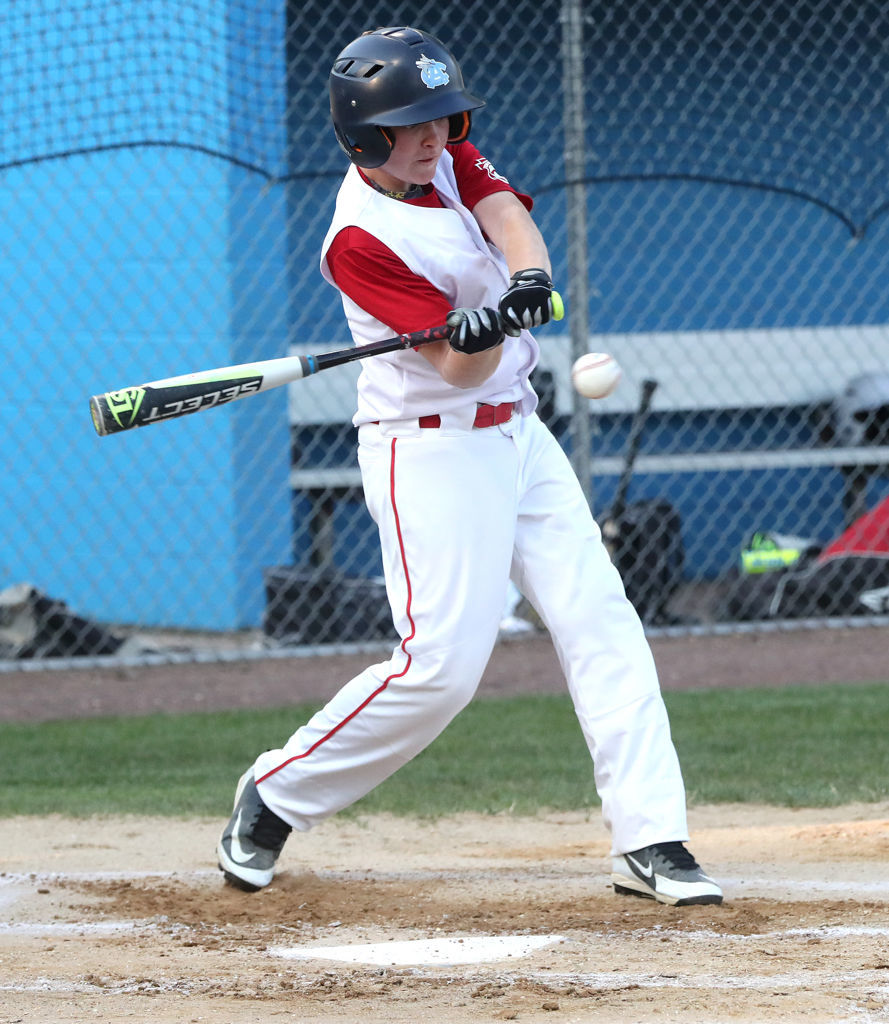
(367, 146)
(459, 126)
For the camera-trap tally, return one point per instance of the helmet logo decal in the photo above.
(433, 72)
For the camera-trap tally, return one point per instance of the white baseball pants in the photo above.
(459, 510)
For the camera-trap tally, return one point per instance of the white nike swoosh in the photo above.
(645, 871)
(239, 855)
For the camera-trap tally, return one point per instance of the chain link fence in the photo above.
(711, 179)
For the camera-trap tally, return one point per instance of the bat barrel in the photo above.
(172, 397)
(179, 396)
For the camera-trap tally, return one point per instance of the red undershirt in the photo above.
(379, 282)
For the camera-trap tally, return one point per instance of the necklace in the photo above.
(411, 193)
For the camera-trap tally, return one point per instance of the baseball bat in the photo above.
(171, 397)
(166, 399)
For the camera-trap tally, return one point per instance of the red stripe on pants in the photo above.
(395, 675)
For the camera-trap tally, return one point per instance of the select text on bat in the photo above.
(199, 402)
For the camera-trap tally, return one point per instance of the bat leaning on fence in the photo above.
(166, 399)
(613, 524)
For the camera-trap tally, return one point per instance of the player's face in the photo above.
(415, 155)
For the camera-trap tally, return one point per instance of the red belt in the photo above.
(485, 416)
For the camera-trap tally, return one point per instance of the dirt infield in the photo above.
(128, 919)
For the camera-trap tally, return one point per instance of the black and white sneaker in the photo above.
(665, 872)
(252, 839)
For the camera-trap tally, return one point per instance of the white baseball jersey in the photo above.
(447, 248)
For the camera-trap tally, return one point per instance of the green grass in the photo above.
(806, 746)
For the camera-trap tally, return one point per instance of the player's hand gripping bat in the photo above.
(166, 399)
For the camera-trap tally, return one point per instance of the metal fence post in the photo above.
(575, 210)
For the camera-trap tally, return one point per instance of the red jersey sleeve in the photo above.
(382, 284)
(477, 178)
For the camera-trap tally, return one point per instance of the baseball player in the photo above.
(467, 486)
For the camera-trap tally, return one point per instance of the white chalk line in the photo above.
(732, 886)
(47, 877)
(38, 929)
(126, 986)
(813, 887)
(446, 950)
(855, 982)
(808, 979)
(813, 932)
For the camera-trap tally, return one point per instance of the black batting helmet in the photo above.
(393, 77)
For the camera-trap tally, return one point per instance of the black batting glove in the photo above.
(474, 330)
(527, 302)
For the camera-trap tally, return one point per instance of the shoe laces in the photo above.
(678, 856)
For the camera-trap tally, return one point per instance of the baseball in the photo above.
(595, 375)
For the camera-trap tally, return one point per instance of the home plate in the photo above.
(444, 952)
